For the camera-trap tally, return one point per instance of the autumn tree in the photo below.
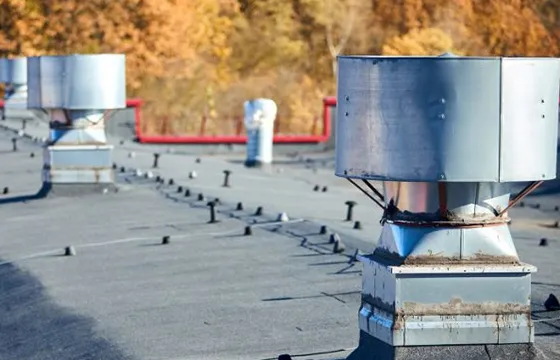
(426, 41)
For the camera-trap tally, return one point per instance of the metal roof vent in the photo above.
(260, 115)
(13, 72)
(78, 92)
(446, 136)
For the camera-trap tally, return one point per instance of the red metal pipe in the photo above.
(240, 139)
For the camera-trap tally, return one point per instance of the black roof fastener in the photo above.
(552, 303)
(69, 251)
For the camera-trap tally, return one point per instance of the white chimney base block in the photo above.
(77, 91)
(446, 136)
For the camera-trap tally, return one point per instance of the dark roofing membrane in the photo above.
(211, 293)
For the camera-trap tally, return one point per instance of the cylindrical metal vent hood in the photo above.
(455, 119)
(17, 71)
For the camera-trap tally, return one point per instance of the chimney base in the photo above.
(78, 167)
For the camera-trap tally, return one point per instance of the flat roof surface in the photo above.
(211, 293)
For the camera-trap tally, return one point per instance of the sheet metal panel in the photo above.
(95, 82)
(45, 87)
(418, 118)
(530, 93)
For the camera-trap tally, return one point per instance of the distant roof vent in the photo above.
(13, 72)
(77, 91)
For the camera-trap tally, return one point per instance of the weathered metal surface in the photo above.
(444, 245)
(453, 305)
(82, 156)
(432, 119)
(87, 175)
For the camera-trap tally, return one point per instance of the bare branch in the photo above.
(332, 49)
(347, 31)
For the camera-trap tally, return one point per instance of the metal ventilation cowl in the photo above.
(447, 118)
(16, 71)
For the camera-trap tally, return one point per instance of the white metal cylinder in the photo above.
(259, 122)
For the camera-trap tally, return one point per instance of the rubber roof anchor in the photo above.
(69, 251)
